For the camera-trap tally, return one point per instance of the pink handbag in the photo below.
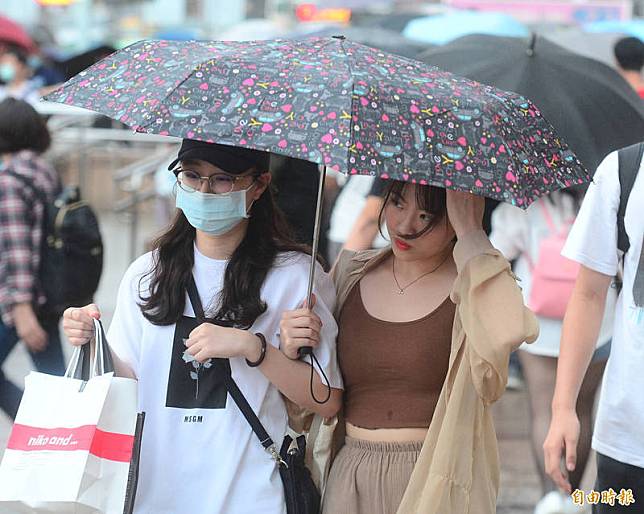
(553, 275)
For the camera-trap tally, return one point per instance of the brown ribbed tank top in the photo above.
(393, 371)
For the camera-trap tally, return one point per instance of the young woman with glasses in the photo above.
(199, 454)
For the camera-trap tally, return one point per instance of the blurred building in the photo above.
(78, 25)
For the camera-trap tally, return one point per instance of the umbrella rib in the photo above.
(170, 93)
(353, 91)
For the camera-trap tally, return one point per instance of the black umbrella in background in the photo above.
(596, 45)
(592, 107)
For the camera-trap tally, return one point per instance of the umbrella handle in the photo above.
(307, 350)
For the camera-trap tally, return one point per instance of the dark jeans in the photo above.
(48, 361)
(617, 475)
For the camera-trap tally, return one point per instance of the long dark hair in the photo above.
(240, 303)
(430, 199)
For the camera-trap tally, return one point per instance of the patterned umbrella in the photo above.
(336, 103)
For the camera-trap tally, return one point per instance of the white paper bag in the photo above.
(72, 444)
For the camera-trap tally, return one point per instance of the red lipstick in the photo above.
(401, 245)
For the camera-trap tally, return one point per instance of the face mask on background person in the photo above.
(214, 214)
(7, 73)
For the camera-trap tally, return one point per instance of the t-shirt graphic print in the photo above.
(191, 384)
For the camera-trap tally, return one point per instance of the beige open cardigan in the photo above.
(457, 471)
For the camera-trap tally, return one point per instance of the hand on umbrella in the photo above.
(465, 212)
(298, 328)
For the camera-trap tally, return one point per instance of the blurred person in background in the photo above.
(354, 219)
(16, 76)
(23, 139)
(629, 54)
(296, 182)
(519, 235)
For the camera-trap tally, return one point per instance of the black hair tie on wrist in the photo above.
(262, 352)
(307, 350)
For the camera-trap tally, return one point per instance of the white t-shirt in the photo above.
(199, 455)
(518, 234)
(619, 427)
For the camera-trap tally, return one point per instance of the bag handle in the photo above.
(80, 365)
(233, 389)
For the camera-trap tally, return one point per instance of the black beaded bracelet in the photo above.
(262, 354)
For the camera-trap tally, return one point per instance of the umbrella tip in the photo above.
(533, 41)
(339, 36)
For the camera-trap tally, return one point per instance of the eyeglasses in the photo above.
(219, 183)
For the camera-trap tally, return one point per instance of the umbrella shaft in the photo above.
(316, 234)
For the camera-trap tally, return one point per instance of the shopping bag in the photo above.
(75, 442)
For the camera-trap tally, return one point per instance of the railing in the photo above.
(73, 131)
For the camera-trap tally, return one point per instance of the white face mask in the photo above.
(214, 214)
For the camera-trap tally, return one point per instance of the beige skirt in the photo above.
(369, 477)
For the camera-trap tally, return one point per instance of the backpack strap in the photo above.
(630, 159)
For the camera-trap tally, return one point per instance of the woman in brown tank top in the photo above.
(394, 340)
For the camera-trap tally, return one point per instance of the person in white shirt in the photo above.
(199, 454)
(618, 436)
(519, 236)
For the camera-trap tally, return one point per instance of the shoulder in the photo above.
(139, 269)
(350, 262)
(294, 266)
(30, 165)
(349, 259)
(607, 175)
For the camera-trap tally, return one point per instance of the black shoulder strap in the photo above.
(630, 159)
(237, 396)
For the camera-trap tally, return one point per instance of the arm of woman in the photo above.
(489, 302)
(291, 377)
(314, 327)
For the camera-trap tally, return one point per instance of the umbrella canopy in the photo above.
(443, 28)
(588, 102)
(383, 39)
(13, 34)
(336, 103)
